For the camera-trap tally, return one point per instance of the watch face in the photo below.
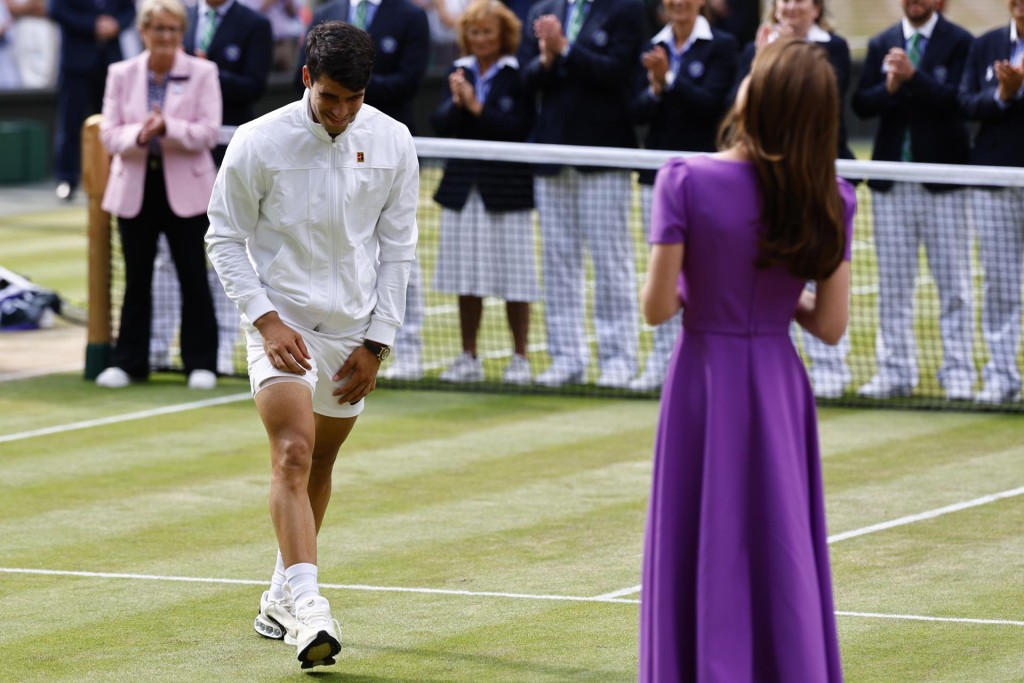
(385, 351)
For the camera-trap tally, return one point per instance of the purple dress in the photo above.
(736, 583)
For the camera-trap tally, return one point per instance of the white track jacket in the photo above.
(323, 231)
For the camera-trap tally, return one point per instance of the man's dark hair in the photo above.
(340, 51)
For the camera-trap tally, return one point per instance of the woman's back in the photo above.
(717, 207)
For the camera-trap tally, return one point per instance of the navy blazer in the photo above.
(401, 42)
(585, 96)
(686, 116)
(507, 116)
(80, 52)
(927, 103)
(242, 49)
(999, 140)
(838, 56)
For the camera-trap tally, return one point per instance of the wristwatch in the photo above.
(382, 351)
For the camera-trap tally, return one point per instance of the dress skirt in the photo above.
(736, 582)
(485, 253)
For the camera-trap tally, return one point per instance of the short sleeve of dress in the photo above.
(848, 193)
(668, 205)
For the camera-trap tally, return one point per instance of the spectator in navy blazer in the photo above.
(687, 71)
(401, 41)
(910, 82)
(579, 59)
(241, 45)
(805, 20)
(90, 32)
(487, 246)
(992, 92)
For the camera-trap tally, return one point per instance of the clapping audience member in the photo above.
(238, 40)
(910, 82)
(992, 93)
(487, 245)
(805, 20)
(90, 31)
(161, 113)
(688, 70)
(579, 60)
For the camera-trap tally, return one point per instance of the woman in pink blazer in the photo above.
(161, 113)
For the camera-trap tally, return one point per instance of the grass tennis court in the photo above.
(472, 537)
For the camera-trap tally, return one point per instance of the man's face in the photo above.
(919, 11)
(1016, 10)
(334, 105)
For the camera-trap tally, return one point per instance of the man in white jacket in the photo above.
(313, 233)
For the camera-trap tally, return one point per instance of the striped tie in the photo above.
(914, 55)
(361, 10)
(208, 30)
(579, 15)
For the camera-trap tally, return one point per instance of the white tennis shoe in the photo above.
(317, 634)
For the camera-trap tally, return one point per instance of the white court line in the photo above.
(930, 514)
(443, 591)
(336, 586)
(863, 531)
(139, 415)
(620, 593)
(914, 617)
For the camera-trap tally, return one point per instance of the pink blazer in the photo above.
(192, 113)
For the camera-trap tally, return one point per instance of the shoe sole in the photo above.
(320, 651)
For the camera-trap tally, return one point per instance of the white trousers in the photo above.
(588, 211)
(906, 217)
(999, 218)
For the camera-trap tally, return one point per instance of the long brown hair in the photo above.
(786, 116)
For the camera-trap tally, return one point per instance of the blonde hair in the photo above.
(150, 8)
(770, 17)
(786, 117)
(480, 10)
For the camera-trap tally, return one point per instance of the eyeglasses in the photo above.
(166, 30)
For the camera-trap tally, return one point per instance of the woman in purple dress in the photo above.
(736, 583)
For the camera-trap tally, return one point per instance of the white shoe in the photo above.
(402, 370)
(616, 375)
(648, 381)
(558, 374)
(276, 618)
(518, 371)
(113, 378)
(992, 394)
(959, 391)
(881, 388)
(317, 634)
(203, 380)
(465, 368)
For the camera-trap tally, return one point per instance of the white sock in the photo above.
(278, 580)
(302, 580)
